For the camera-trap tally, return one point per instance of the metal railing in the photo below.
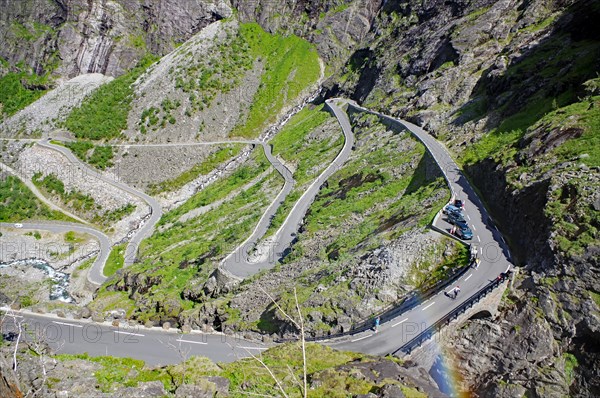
(426, 334)
(393, 310)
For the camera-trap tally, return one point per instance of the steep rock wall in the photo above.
(72, 37)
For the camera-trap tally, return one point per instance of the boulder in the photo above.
(220, 282)
(85, 312)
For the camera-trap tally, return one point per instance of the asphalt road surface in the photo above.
(237, 262)
(154, 346)
(150, 344)
(155, 210)
(95, 274)
(487, 240)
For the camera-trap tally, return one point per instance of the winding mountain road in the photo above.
(95, 274)
(487, 241)
(237, 262)
(155, 346)
(155, 209)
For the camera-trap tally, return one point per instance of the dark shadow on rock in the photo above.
(268, 323)
(365, 61)
(519, 215)
(427, 171)
(549, 74)
(445, 53)
(482, 315)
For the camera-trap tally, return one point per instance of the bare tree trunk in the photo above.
(303, 341)
(300, 326)
(20, 327)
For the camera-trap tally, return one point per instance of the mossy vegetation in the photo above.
(79, 201)
(52, 185)
(181, 250)
(247, 376)
(29, 31)
(119, 372)
(543, 64)
(472, 16)
(112, 216)
(425, 275)
(203, 78)
(385, 190)
(150, 117)
(279, 358)
(289, 65)
(595, 297)
(370, 188)
(584, 114)
(99, 156)
(20, 89)
(297, 145)
(571, 364)
(576, 129)
(106, 300)
(83, 266)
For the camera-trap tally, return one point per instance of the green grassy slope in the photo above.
(291, 65)
(309, 156)
(15, 95)
(103, 114)
(18, 203)
(179, 251)
(327, 377)
(221, 155)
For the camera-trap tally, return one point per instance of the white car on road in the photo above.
(18, 225)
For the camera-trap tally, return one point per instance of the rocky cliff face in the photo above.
(9, 385)
(504, 84)
(335, 26)
(71, 37)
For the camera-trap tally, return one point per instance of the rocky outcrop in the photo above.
(220, 282)
(213, 386)
(526, 350)
(386, 375)
(9, 385)
(46, 114)
(561, 279)
(450, 66)
(72, 37)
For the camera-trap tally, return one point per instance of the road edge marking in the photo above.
(398, 323)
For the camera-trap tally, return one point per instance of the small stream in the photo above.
(60, 280)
